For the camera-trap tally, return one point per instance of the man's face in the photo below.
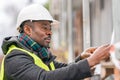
(41, 32)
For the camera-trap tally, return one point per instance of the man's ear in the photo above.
(27, 29)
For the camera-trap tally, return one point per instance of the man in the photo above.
(28, 56)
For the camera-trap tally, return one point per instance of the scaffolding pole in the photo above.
(63, 23)
(70, 30)
(86, 24)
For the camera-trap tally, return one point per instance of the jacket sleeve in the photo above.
(59, 64)
(20, 66)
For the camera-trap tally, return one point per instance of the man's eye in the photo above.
(45, 28)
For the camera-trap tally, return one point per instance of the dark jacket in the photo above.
(20, 66)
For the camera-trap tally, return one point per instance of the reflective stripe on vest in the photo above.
(37, 61)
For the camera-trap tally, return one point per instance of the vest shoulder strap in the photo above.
(37, 60)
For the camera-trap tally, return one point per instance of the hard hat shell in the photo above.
(33, 12)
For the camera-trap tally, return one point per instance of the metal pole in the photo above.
(63, 23)
(86, 24)
(70, 30)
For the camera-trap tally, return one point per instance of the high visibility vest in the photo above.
(36, 59)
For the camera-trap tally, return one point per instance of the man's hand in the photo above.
(101, 53)
(87, 52)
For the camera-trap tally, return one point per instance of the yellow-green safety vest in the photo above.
(37, 61)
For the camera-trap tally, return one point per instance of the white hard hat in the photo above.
(33, 12)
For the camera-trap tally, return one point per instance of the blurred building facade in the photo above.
(91, 29)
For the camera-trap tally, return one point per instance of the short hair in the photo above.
(21, 27)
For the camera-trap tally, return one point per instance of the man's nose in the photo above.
(49, 32)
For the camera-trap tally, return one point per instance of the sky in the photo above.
(8, 10)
